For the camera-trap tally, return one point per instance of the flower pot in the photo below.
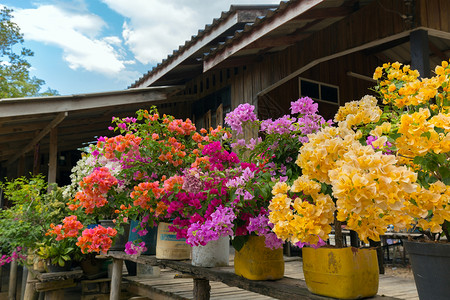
(57, 268)
(149, 239)
(169, 247)
(91, 265)
(121, 238)
(430, 264)
(256, 262)
(213, 254)
(344, 273)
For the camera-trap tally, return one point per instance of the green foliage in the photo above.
(15, 79)
(239, 241)
(56, 254)
(32, 210)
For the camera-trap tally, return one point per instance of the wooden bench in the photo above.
(52, 284)
(285, 288)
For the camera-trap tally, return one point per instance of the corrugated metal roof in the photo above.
(203, 32)
(265, 14)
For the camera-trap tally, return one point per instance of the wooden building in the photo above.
(328, 50)
(266, 55)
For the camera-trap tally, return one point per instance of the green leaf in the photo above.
(445, 173)
(239, 241)
(426, 134)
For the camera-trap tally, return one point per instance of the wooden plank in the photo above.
(286, 288)
(151, 292)
(43, 277)
(54, 285)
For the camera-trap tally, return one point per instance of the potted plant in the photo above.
(265, 160)
(419, 130)
(343, 181)
(23, 221)
(200, 204)
(373, 169)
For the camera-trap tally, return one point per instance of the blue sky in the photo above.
(84, 46)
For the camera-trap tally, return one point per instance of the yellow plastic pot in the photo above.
(344, 273)
(256, 262)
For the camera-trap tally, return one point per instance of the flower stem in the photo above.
(338, 232)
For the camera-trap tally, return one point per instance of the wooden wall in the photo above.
(378, 20)
(369, 24)
(434, 14)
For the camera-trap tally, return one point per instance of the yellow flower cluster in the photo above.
(419, 135)
(299, 220)
(359, 112)
(370, 188)
(320, 154)
(430, 206)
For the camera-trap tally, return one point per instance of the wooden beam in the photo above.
(52, 157)
(295, 10)
(59, 118)
(386, 46)
(326, 12)
(330, 57)
(420, 52)
(270, 42)
(360, 76)
(44, 105)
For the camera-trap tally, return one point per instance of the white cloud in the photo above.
(156, 27)
(74, 32)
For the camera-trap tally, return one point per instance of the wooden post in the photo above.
(201, 289)
(116, 279)
(21, 166)
(420, 52)
(12, 281)
(380, 254)
(30, 293)
(36, 160)
(24, 282)
(354, 240)
(53, 153)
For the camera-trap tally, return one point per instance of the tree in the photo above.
(15, 79)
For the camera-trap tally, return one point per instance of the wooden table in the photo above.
(286, 288)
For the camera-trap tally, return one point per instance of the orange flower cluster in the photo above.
(175, 153)
(120, 144)
(145, 194)
(171, 182)
(181, 127)
(70, 228)
(96, 239)
(94, 189)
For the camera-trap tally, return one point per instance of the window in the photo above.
(319, 91)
